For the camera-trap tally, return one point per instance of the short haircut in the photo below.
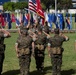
(56, 30)
(40, 29)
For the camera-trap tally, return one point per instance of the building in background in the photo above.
(74, 4)
(19, 0)
(1, 8)
(14, 0)
(22, 0)
(72, 10)
(3, 1)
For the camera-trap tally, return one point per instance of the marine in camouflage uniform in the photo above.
(40, 45)
(46, 28)
(21, 28)
(56, 50)
(3, 34)
(23, 44)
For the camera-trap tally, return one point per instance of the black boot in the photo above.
(42, 69)
(38, 69)
(0, 73)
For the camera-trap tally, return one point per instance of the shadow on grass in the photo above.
(35, 72)
(12, 72)
(46, 70)
(68, 72)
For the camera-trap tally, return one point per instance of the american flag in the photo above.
(33, 5)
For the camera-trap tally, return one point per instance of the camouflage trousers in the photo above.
(1, 61)
(39, 58)
(24, 63)
(56, 61)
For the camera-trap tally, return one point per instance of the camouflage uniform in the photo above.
(2, 49)
(22, 27)
(24, 43)
(56, 53)
(39, 51)
(46, 29)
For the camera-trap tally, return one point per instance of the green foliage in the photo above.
(64, 4)
(21, 5)
(11, 6)
(46, 4)
(8, 6)
(61, 3)
(43, 6)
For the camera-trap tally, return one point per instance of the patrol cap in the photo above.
(40, 29)
(24, 31)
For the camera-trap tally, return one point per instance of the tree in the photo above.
(11, 6)
(60, 3)
(8, 6)
(64, 4)
(48, 3)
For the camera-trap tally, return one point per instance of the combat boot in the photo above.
(0, 73)
(54, 74)
(59, 74)
(38, 69)
(41, 69)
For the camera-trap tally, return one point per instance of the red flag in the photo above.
(28, 16)
(39, 9)
(13, 17)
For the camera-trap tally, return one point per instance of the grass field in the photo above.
(11, 66)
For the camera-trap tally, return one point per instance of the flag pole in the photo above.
(28, 10)
(55, 7)
(56, 13)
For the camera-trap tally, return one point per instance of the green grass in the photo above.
(11, 65)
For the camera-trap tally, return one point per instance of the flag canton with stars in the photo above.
(32, 5)
(34, 1)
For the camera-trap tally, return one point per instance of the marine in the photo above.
(23, 44)
(3, 34)
(55, 50)
(40, 45)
